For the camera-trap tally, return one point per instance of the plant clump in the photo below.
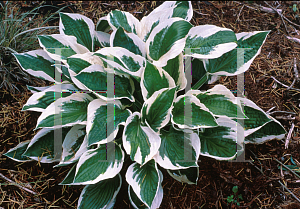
(122, 93)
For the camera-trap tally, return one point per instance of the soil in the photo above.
(257, 181)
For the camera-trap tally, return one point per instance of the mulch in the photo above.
(262, 180)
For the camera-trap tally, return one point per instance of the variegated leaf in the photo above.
(220, 101)
(122, 61)
(175, 69)
(94, 78)
(78, 62)
(154, 79)
(134, 200)
(69, 111)
(102, 39)
(200, 116)
(189, 175)
(31, 62)
(99, 164)
(269, 131)
(178, 149)
(140, 142)
(156, 110)
(238, 60)
(256, 116)
(222, 142)
(209, 41)
(74, 145)
(100, 195)
(41, 147)
(79, 26)
(103, 25)
(39, 101)
(60, 47)
(99, 118)
(166, 10)
(34, 89)
(146, 183)
(16, 153)
(117, 19)
(167, 40)
(260, 127)
(68, 180)
(130, 41)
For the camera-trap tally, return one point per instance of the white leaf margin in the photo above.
(136, 188)
(41, 73)
(69, 141)
(52, 108)
(195, 142)
(174, 51)
(149, 103)
(162, 73)
(245, 66)
(220, 89)
(87, 20)
(92, 108)
(40, 134)
(110, 204)
(205, 31)
(154, 141)
(136, 40)
(131, 20)
(66, 40)
(24, 143)
(183, 178)
(251, 104)
(37, 95)
(119, 52)
(110, 172)
(195, 100)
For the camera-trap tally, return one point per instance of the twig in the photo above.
(14, 183)
(293, 39)
(272, 108)
(284, 84)
(261, 170)
(296, 74)
(238, 17)
(285, 117)
(295, 69)
(291, 85)
(279, 180)
(198, 4)
(268, 10)
(245, 5)
(289, 191)
(295, 30)
(286, 167)
(200, 13)
(287, 140)
(281, 112)
(282, 15)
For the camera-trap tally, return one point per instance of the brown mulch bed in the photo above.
(257, 181)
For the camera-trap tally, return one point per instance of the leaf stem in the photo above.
(138, 104)
(200, 82)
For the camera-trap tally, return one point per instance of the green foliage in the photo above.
(18, 34)
(295, 9)
(234, 198)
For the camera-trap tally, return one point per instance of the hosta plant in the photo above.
(124, 97)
